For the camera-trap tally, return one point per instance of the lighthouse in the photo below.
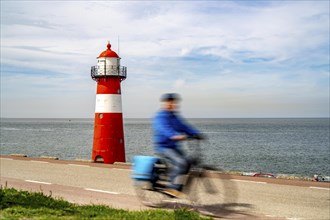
(108, 142)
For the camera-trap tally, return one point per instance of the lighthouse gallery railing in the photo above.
(107, 71)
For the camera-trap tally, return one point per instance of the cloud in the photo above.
(179, 83)
(254, 52)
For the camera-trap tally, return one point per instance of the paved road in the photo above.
(85, 183)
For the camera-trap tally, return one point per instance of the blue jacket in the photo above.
(167, 124)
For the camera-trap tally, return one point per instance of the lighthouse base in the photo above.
(109, 155)
(102, 156)
(108, 143)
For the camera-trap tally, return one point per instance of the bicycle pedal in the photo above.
(174, 193)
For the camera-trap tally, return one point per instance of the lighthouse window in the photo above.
(100, 115)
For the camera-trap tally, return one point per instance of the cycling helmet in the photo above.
(170, 97)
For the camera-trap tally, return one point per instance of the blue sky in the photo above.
(225, 58)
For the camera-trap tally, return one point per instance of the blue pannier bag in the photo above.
(143, 167)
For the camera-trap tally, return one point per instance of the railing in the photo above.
(108, 71)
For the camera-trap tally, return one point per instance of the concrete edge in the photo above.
(49, 157)
(18, 155)
(123, 164)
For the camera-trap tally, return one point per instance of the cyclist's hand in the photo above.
(179, 137)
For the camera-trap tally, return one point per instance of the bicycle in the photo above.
(205, 187)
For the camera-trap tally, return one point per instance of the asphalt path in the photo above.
(94, 183)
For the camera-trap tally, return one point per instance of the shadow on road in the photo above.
(226, 206)
(229, 210)
(237, 210)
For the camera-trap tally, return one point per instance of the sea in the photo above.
(281, 146)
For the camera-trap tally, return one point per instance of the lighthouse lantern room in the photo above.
(108, 142)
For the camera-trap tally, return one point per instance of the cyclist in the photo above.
(169, 128)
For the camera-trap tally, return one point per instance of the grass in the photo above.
(25, 205)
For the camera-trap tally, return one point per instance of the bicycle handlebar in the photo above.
(196, 137)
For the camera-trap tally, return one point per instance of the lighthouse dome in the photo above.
(108, 52)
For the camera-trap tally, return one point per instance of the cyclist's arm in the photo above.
(186, 128)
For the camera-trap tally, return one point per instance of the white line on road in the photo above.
(34, 181)
(102, 191)
(313, 187)
(78, 165)
(6, 159)
(122, 169)
(248, 181)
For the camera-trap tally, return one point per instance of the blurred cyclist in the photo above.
(168, 130)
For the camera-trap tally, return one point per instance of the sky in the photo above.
(227, 59)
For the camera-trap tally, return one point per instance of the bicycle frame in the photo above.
(159, 172)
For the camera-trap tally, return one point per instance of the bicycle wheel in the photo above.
(148, 194)
(208, 191)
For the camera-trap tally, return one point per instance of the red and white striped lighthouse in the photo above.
(108, 144)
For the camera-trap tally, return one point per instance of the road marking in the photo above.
(102, 191)
(78, 165)
(248, 181)
(34, 181)
(36, 161)
(313, 187)
(122, 169)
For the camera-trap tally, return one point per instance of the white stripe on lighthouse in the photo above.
(108, 103)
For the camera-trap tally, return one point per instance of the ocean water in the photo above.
(280, 146)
